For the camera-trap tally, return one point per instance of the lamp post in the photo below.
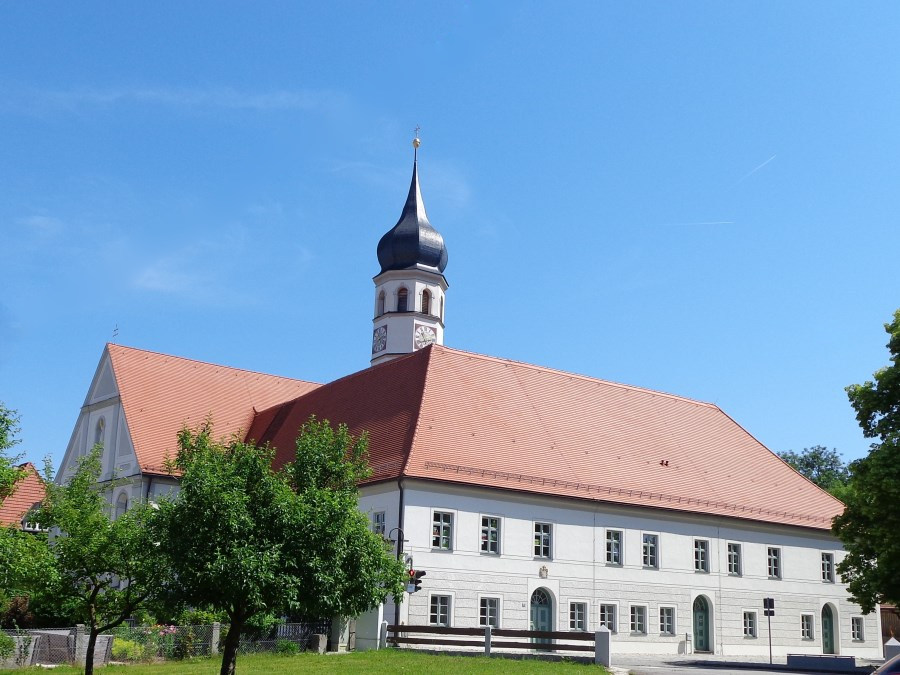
(399, 542)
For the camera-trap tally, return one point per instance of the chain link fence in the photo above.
(146, 644)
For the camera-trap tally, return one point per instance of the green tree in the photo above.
(869, 525)
(10, 472)
(105, 568)
(262, 542)
(822, 466)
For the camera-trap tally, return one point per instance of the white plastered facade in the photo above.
(577, 571)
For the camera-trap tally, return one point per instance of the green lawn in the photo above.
(383, 661)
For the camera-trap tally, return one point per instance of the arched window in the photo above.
(402, 300)
(442, 309)
(121, 504)
(426, 302)
(98, 432)
(381, 303)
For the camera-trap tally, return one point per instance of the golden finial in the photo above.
(416, 144)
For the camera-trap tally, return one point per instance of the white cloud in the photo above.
(177, 97)
(45, 226)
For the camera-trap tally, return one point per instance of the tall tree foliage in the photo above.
(250, 541)
(105, 568)
(822, 466)
(10, 472)
(24, 559)
(869, 525)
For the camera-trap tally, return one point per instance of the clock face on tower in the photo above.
(379, 339)
(424, 336)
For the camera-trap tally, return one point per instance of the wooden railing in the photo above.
(540, 640)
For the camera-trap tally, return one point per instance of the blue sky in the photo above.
(699, 198)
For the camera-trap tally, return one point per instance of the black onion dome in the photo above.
(412, 242)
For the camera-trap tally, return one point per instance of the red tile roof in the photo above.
(161, 394)
(449, 415)
(28, 492)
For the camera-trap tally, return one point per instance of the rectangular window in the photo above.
(442, 531)
(614, 547)
(667, 620)
(490, 534)
(750, 624)
(440, 610)
(734, 559)
(577, 616)
(806, 627)
(828, 567)
(638, 619)
(701, 555)
(856, 629)
(542, 534)
(651, 551)
(489, 614)
(774, 564)
(378, 522)
(608, 617)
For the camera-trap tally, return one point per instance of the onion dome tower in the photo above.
(409, 290)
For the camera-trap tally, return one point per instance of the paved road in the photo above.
(703, 665)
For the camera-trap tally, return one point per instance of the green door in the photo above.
(701, 624)
(541, 614)
(827, 630)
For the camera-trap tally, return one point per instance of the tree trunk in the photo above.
(89, 654)
(229, 649)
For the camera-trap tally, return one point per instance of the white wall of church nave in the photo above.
(103, 422)
(578, 565)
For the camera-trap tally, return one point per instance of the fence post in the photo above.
(214, 637)
(487, 640)
(602, 651)
(382, 636)
(80, 644)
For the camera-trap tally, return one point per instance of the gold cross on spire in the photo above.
(416, 144)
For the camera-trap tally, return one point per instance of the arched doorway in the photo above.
(541, 614)
(828, 630)
(702, 624)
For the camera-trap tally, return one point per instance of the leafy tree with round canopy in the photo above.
(251, 541)
(870, 524)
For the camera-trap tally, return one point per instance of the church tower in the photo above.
(409, 290)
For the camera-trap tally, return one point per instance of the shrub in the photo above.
(287, 647)
(7, 646)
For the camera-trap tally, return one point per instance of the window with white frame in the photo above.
(607, 617)
(651, 551)
(577, 616)
(828, 568)
(378, 522)
(439, 614)
(542, 539)
(614, 547)
(667, 620)
(857, 633)
(442, 530)
(734, 559)
(639, 619)
(774, 562)
(489, 612)
(750, 624)
(490, 534)
(807, 632)
(701, 555)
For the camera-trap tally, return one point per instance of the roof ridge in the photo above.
(205, 363)
(557, 371)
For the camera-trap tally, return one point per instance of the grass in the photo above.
(383, 661)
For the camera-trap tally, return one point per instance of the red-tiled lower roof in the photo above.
(448, 415)
(28, 492)
(161, 394)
